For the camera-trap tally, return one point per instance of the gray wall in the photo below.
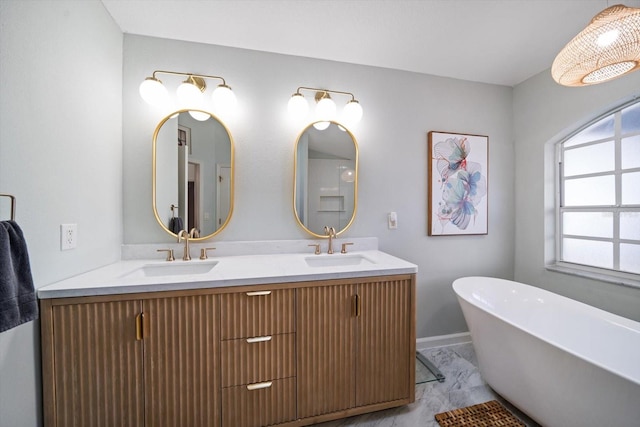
(60, 155)
(399, 109)
(544, 112)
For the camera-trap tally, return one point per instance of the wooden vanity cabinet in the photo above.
(181, 343)
(356, 346)
(258, 357)
(289, 354)
(92, 363)
(130, 362)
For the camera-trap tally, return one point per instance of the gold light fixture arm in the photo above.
(189, 75)
(321, 93)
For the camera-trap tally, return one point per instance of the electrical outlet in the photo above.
(68, 236)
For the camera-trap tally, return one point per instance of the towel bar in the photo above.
(13, 205)
(173, 210)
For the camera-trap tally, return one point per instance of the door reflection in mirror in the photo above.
(193, 169)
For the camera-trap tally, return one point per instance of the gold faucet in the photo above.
(183, 234)
(331, 232)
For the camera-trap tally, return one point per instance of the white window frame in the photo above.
(604, 274)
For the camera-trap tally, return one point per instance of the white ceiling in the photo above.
(493, 41)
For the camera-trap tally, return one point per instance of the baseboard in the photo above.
(443, 340)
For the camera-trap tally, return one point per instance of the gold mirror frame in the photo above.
(154, 173)
(355, 182)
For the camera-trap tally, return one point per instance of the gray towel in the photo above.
(18, 302)
(176, 225)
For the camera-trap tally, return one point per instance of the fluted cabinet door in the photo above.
(181, 361)
(326, 351)
(385, 367)
(95, 366)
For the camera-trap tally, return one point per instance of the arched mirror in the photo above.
(325, 190)
(192, 181)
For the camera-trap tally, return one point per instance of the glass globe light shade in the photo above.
(321, 125)
(189, 96)
(298, 107)
(352, 112)
(223, 98)
(153, 92)
(326, 109)
(200, 116)
(348, 175)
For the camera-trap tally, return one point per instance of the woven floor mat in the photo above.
(488, 414)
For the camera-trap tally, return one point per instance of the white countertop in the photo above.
(125, 277)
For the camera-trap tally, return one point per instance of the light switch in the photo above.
(393, 220)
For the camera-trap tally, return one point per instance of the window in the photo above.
(599, 196)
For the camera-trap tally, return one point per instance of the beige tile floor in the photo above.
(463, 386)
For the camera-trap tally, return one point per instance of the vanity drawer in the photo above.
(260, 404)
(257, 359)
(259, 313)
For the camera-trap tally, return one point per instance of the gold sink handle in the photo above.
(203, 252)
(169, 252)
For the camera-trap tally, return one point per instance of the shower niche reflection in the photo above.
(325, 183)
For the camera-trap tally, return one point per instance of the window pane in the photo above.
(592, 224)
(590, 159)
(630, 258)
(630, 225)
(631, 188)
(599, 190)
(588, 252)
(631, 152)
(631, 119)
(600, 193)
(597, 131)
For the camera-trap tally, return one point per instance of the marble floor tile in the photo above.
(463, 386)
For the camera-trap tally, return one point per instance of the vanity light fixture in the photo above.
(325, 107)
(607, 48)
(189, 93)
(348, 175)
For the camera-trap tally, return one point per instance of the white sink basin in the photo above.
(172, 269)
(337, 260)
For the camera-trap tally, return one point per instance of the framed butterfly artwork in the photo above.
(458, 184)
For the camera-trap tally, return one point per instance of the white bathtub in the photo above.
(561, 362)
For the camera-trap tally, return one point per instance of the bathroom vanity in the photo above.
(287, 339)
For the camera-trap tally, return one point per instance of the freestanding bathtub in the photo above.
(562, 362)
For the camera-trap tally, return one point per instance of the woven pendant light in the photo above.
(607, 48)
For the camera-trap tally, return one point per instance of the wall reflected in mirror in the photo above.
(192, 173)
(326, 171)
